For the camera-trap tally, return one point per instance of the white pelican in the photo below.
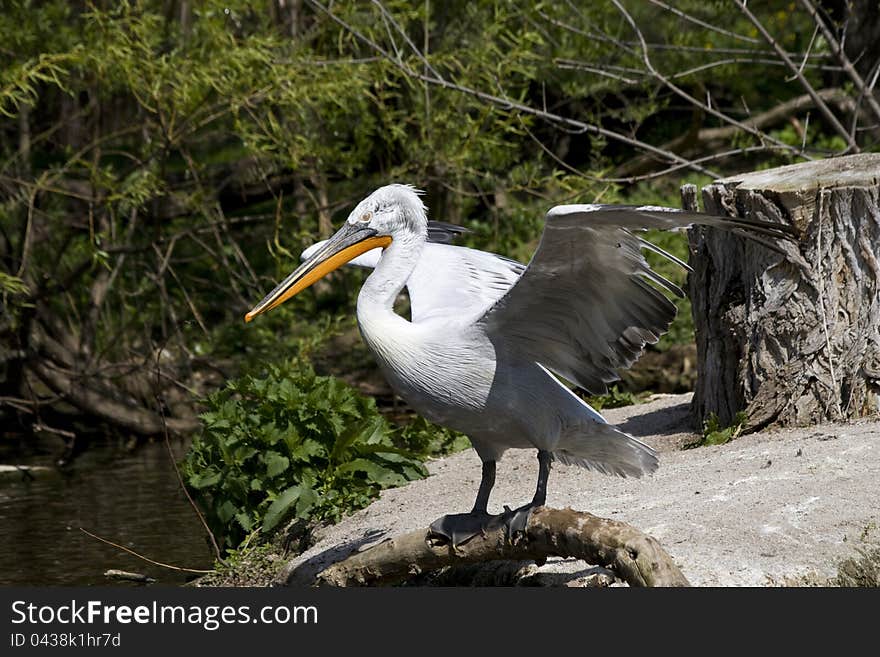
(488, 336)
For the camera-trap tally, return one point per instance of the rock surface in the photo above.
(768, 508)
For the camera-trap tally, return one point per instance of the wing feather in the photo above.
(456, 282)
(584, 307)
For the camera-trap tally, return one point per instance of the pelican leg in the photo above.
(544, 458)
(516, 520)
(486, 483)
(459, 528)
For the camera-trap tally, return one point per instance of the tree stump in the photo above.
(795, 339)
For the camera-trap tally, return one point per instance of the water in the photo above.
(131, 498)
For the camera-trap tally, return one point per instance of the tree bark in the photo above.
(790, 340)
(633, 556)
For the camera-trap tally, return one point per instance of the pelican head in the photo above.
(391, 212)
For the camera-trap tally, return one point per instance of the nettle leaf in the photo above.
(372, 430)
(291, 435)
(375, 432)
(281, 506)
(271, 434)
(205, 479)
(245, 452)
(414, 471)
(307, 499)
(336, 421)
(375, 473)
(245, 520)
(275, 463)
(308, 450)
(387, 452)
(226, 511)
(348, 405)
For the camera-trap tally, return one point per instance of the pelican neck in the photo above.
(391, 273)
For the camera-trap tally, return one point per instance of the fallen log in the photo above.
(633, 556)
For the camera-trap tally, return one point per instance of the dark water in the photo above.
(131, 498)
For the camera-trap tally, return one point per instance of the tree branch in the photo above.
(635, 557)
(136, 419)
(845, 62)
(820, 104)
(707, 138)
(509, 103)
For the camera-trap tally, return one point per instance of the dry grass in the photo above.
(862, 570)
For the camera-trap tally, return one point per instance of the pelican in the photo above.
(489, 338)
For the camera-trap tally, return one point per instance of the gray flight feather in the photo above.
(584, 308)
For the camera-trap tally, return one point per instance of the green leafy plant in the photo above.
(12, 284)
(429, 440)
(715, 434)
(291, 444)
(614, 398)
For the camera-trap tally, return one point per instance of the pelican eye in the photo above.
(366, 216)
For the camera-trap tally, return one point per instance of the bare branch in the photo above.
(510, 104)
(820, 104)
(101, 404)
(847, 65)
(712, 137)
(688, 97)
(697, 21)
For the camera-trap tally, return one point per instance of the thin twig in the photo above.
(697, 21)
(837, 49)
(174, 464)
(820, 104)
(147, 559)
(646, 58)
(510, 104)
(807, 54)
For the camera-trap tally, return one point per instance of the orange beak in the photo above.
(348, 243)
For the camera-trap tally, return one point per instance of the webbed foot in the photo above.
(516, 520)
(459, 528)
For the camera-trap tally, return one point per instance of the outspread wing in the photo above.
(585, 306)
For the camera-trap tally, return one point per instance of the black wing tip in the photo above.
(441, 232)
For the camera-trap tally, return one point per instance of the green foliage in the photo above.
(428, 440)
(291, 444)
(12, 284)
(614, 398)
(715, 434)
(248, 565)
